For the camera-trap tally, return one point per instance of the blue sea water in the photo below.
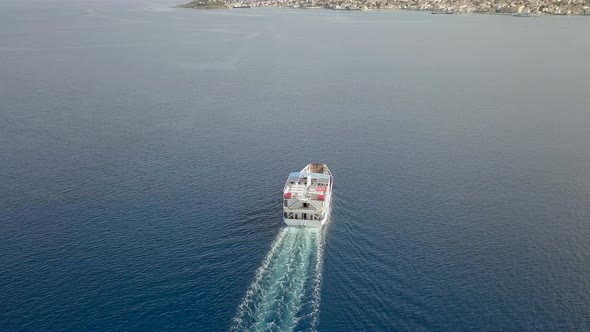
(143, 150)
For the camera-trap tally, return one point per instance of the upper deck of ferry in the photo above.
(307, 195)
(307, 185)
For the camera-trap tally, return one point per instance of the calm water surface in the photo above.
(143, 151)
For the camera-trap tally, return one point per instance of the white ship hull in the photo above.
(307, 197)
(306, 223)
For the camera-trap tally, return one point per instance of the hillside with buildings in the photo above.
(523, 8)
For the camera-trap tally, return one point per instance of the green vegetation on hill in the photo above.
(204, 4)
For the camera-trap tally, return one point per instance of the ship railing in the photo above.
(288, 207)
(305, 195)
(302, 210)
(314, 205)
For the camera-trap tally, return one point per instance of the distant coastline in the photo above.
(205, 5)
(520, 8)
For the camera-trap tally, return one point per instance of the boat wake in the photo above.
(285, 294)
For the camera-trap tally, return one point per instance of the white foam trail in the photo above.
(317, 282)
(286, 289)
(255, 288)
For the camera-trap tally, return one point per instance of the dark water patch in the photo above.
(143, 150)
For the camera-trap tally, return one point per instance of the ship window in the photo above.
(285, 215)
(286, 203)
(305, 205)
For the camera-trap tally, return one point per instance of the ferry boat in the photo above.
(307, 196)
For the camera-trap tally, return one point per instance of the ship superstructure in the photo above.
(307, 196)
